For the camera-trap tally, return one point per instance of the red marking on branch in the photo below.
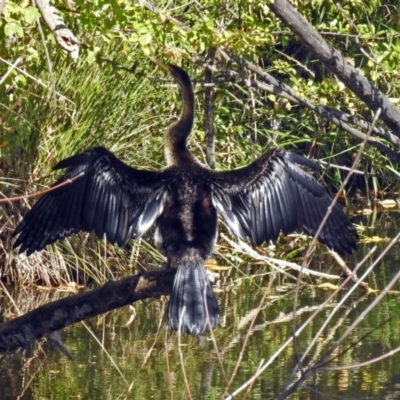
(28, 196)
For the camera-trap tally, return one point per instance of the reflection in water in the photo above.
(206, 379)
(131, 371)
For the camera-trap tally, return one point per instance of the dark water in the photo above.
(144, 361)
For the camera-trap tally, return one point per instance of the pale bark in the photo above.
(63, 35)
(336, 63)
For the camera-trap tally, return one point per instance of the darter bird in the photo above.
(183, 200)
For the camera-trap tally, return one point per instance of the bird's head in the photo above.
(179, 75)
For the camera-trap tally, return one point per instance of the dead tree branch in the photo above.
(54, 316)
(333, 60)
(2, 4)
(350, 76)
(63, 35)
(208, 111)
(336, 117)
(323, 111)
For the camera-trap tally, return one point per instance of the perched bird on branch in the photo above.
(182, 200)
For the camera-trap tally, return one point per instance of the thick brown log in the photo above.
(23, 330)
(333, 59)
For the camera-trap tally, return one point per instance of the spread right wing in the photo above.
(274, 194)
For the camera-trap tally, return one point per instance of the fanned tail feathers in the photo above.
(193, 307)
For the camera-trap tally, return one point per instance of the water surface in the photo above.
(144, 360)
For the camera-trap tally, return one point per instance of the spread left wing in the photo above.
(109, 198)
(274, 194)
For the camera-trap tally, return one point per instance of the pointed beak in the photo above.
(163, 66)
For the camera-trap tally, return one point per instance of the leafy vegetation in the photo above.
(54, 107)
(113, 95)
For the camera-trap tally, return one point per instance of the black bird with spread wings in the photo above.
(271, 195)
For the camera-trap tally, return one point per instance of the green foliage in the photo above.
(18, 17)
(142, 362)
(95, 103)
(51, 112)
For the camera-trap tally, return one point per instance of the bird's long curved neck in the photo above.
(176, 150)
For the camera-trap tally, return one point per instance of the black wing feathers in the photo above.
(274, 194)
(110, 198)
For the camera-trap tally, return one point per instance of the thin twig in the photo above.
(332, 58)
(47, 55)
(323, 111)
(241, 354)
(301, 359)
(336, 116)
(181, 355)
(279, 88)
(160, 324)
(253, 381)
(322, 224)
(170, 386)
(156, 10)
(275, 263)
(106, 352)
(11, 69)
(342, 186)
(371, 306)
(289, 340)
(36, 194)
(325, 358)
(213, 337)
(342, 301)
(323, 341)
(208, 111)
(362, 364)
(330, 165)
(27, 74)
